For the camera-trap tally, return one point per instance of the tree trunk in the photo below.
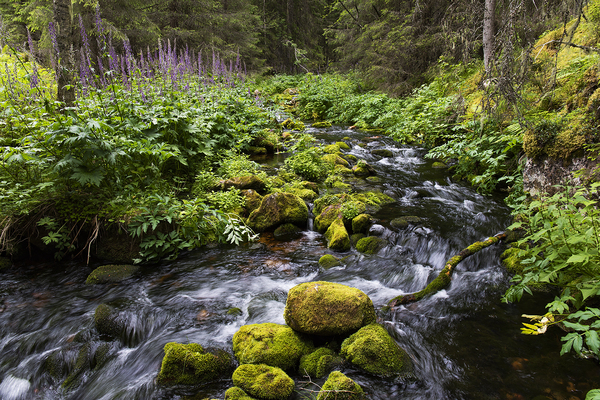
(64, 39)
(488, 36)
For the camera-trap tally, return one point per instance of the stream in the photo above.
(464, 343)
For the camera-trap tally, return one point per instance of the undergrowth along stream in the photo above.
(464, 342)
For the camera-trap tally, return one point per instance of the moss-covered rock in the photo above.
(439, 165)
(334, 160)
(276, 209)
(324, 220)
(343, 145)
(286, 231)
(293, 125)
(356, 237)
(287, 136)
(111, 273)
(413, 219)
(304, 194)
(382, 153)
(511, 260)
(361, 223)
(108, 321)
(310, 186)
(363, 169)
(339, 387)
(374, 350)
(326, 308)
(272, 344)
(244, 182)
(332, 149)
(328, 261)
(371, 244)
(92, 355)
(322, 124)
(319, 363)
(399, 223)
(252, 200)
(237, 393)
(235, 311)
(337, 236)
(351, 157)
(256, 150)
(263, 381)
(191, 364)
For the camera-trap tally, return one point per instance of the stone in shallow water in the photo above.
(327, 308)
(13, 388)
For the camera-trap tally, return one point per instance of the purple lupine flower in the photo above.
(30, 42)
(101, 72)
(34, 80)
(113, 60)
(52, 31)
(84, 37)
(124, 75)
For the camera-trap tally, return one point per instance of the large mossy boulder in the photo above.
(327, 308)
(277, 209)
(191, 364)
(272, 344)
(363, 169)
(328, 261)
(324, 220)
(334, 159)
(252, 200)
(111, 273)
(337, 236)
(361, 223)
(382, 153)
(371, 244)
(374, 350)
(244, 182)
(263, 381)
(319, 363)
(339, 387)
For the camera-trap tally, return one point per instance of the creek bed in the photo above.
(465, 343)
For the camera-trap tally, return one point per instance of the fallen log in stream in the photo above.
(445, 275)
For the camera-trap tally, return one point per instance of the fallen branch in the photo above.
(445, 275)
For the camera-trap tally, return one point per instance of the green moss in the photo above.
(332, 149)
(263, 381)
(324, 220)
(293, 125)
(475, 247)
(334, 160)
(337, 236)
(108, 321)
(319, 363)
(310, 185)
(361, 223)
(382, 153)
(371, 244)
(271, 344)
(328, 261)
(511, 260)
(252, 199)
(412, 219)
(322, 124)
(244, 182)
(111, 273)
(326, 308)
(276, 209)
(236, 393)
(339, 387)
(374, 350)
(351, 157)
(326, 201)
(304, 194)
(438, 165)
(191, 364)
(355, 238)
(363, 169)
(399, 223)
(255, 150)
(234, 311)
(343, 145)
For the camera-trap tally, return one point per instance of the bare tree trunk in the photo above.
(64, 39)
(488, 35)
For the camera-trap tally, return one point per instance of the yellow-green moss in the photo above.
(322, 124)
(319, 363)
(324, 220)
(272, 344)
(326, 308)
(263, 381)
(370, 244)
(191, 364)
(511, 260)
(334, 160)
(111, 273)
(293, 125)
(343, 145)
(332, 149)
(337, 236)
(236, 393)
(339, 387)
(361, 223)
(374, 350)
(108, 321)
(328, 261)
(276, 209)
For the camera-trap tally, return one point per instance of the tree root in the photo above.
(445, 275)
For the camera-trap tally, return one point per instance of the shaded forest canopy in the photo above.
(392, 44)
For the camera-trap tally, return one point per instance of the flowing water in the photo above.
(465, 343)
